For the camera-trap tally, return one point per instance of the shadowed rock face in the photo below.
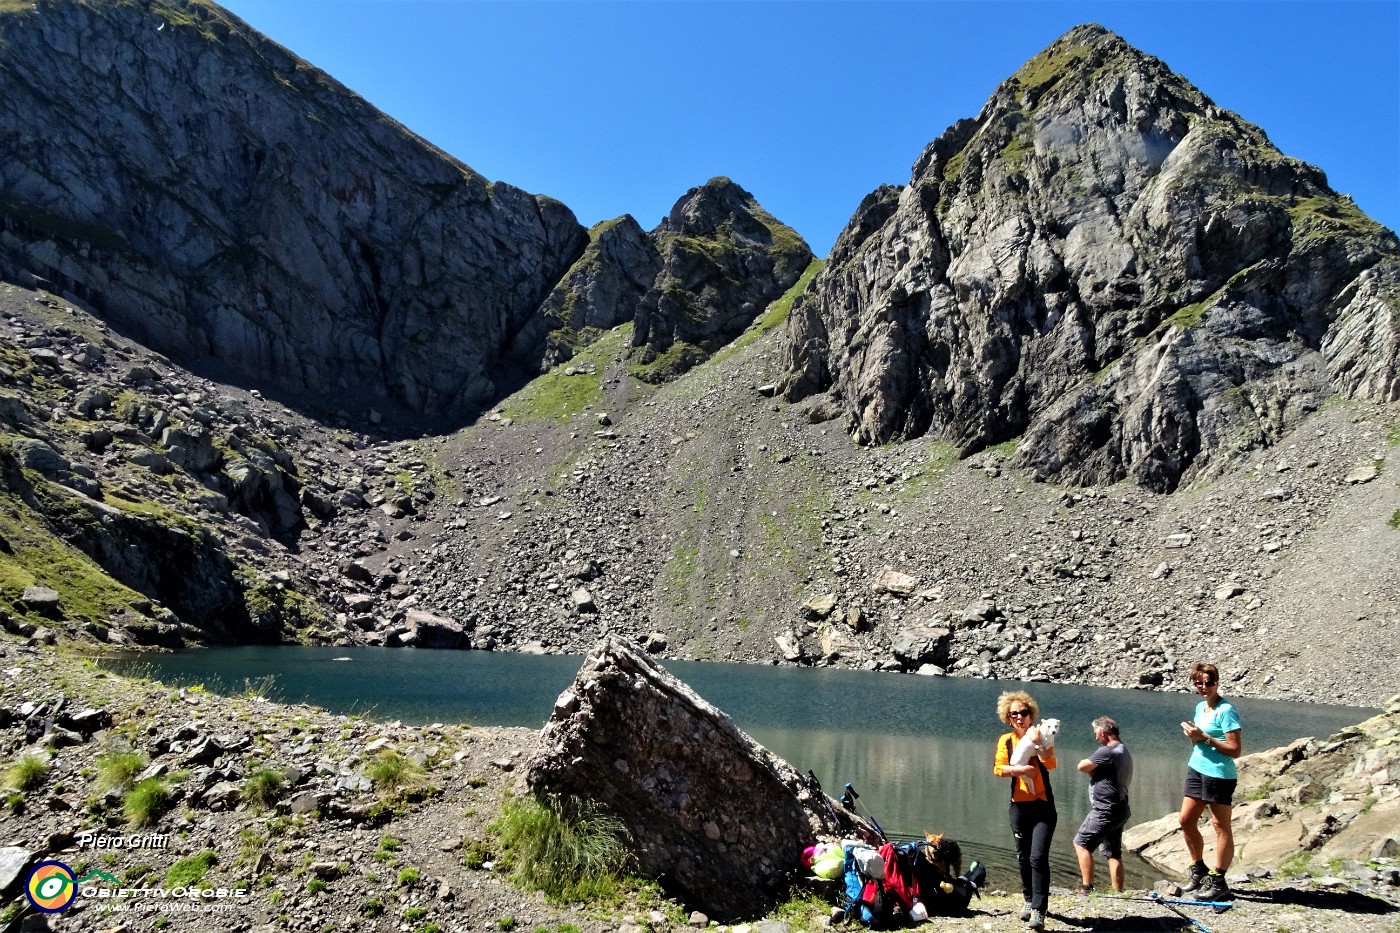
(1107, 265)
(601, 290)
(717, 818)
(215, 196)
(724, 260)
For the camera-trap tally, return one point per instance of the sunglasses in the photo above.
(1018, 712)
(1202, 683)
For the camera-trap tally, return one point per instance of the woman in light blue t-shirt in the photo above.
(1214, 732)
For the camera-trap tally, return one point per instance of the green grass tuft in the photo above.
(557, 396)
(1006, 448)
(190, 870)
(1046, 69)
(38, 557)
(1299, 863)
(27, 773)
(263, 787)
(566, 848)
(116, 770)
(147, 802)
(392, 772)
(952, 169)
(1322, 216)
(678, 358)
(1188, 316)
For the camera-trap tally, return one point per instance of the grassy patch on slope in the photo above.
(558, 396)
(1044, 70)
(33, 556)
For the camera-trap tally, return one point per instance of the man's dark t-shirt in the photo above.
(1113, 773)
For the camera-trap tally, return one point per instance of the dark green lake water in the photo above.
(918, 749)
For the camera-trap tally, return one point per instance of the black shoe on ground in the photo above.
(1214, 888)
(1196, 878)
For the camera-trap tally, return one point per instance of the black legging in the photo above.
(1033, 824)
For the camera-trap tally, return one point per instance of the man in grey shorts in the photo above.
(1110, 770)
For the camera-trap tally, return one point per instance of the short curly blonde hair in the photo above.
(1016, 696)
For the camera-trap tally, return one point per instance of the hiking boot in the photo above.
(1037, 920)
(1214, 888)
(1197, 877)
(1085, 890)
(1026, 912)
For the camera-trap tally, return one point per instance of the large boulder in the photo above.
(718, 819)
(426, 630)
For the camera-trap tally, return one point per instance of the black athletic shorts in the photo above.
(1209, 789)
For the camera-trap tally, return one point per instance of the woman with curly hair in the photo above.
(1032, 809)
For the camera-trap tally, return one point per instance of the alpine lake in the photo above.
(917, 750)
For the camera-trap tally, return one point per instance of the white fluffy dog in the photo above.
(1025, 748)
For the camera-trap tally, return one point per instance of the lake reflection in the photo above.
(918, 749)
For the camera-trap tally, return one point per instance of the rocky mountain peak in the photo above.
(704, 210)
(724, 260)
(1078, 269)
(225, 203)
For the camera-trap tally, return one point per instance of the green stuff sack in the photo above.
(830, 865)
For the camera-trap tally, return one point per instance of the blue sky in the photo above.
(620, 107)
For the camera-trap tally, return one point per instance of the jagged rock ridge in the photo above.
(724, 259)
(1107, 265)
(272, 229)
(689, 286)
(225, 203)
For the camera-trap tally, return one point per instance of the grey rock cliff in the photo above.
(1108, 266)
(724, 260)
(217, 198)
(601, 290)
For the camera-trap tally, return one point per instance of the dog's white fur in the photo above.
(1025, 748)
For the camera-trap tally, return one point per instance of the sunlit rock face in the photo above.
(1109, 267)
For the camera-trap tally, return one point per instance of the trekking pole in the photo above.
(849, 801)
(1170, 903)
(1219, 906)
(1184, 916)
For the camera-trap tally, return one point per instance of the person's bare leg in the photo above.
(1116, 875)
(1086, 864)
(1220, 821)
(1190, 822)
